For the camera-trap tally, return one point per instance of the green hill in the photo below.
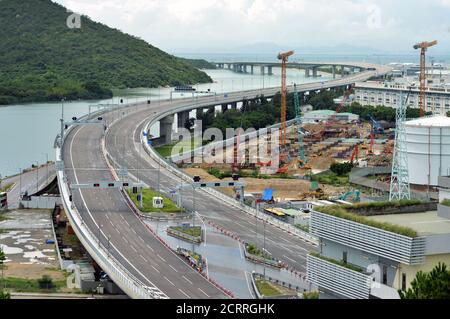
(44, 60)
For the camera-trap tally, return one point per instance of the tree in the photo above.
(432, 285)
(341, 168)
(3, 295)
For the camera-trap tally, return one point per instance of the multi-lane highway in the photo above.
(108, 215)
(29, 182)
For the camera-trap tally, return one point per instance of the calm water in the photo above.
(27, 132)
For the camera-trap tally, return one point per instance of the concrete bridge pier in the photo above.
(166, 129)
(263, 70)
(224, 108)
(270, 70)
(229, 66)
(252, 69)
(334, 71)
(342, 71)
(307, 73)
(315, 72)
(234, 105)
(182, 118)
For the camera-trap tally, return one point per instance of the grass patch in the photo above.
(32, 285)
(330, 178)
(191, 231)
(343, 212)
(303, 228)
(446, 202)
(266, 289)
(338, 262)
(311, 295)
(6, 188)
(253, 250)
(166, 150)
(148, 194)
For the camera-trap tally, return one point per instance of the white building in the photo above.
(379, 93)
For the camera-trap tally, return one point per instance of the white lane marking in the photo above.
(132, 247)
(240, 251)
(184, 293)
(149, 247)
(248, 284)
(169, 281)
(187, 280)
(144, 258)
(92, 218)
(161, 258)
(173, 268)
(141, 239)
(132, 229)
(286, 241)
(125, 240)
(155, 269)
(204, 293)
(289, 258)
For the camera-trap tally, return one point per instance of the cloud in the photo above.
(172, 24)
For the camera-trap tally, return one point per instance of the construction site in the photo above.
(317, 145)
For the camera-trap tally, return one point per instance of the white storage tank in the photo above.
(428, 146)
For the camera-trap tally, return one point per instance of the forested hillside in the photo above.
(42, 59)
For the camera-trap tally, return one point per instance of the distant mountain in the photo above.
(43, 59)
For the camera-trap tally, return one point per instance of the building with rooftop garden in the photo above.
(373, 250)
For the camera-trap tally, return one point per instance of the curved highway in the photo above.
(108, 215)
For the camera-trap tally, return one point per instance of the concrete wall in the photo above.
(411, 271)
(360, 258)
(444, 211)
(41, 202)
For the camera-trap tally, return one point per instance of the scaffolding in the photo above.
(400, 187)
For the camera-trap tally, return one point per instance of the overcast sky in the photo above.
(188, 25)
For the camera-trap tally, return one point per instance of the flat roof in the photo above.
(428, 223)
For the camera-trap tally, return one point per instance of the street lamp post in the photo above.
(99, 233)
(37, 176)
(20, 182)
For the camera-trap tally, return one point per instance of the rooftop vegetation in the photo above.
(347, 212)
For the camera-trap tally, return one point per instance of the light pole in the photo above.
(37, 176)
(20, 182)
(62, 120)
(46, 166)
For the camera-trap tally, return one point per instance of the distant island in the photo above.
(42, 59)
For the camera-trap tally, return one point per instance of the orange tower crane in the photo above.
(423, 46)
(284, 57)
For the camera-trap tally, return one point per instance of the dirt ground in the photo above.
(23, 238)
(283, 188)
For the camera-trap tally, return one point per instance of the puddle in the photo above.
(34, 255)
(29, 247)
(11, 250)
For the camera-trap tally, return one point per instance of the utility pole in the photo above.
(62, 120)
(37, 176)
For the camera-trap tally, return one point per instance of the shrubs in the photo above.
(337, 262)
(341, 169)
(46, 283)
(343, 212)
(311, 295)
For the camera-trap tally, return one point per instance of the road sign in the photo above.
(106, 185)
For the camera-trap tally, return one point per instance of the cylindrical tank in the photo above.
(428, 147)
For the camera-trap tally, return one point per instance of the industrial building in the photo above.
(362, 260)
(386, 93)
(325, 115)
(428, 147)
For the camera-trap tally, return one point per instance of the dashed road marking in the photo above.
(161, 258)
(173, 268)
(187, 280)
(204, 293)
(169, 281)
